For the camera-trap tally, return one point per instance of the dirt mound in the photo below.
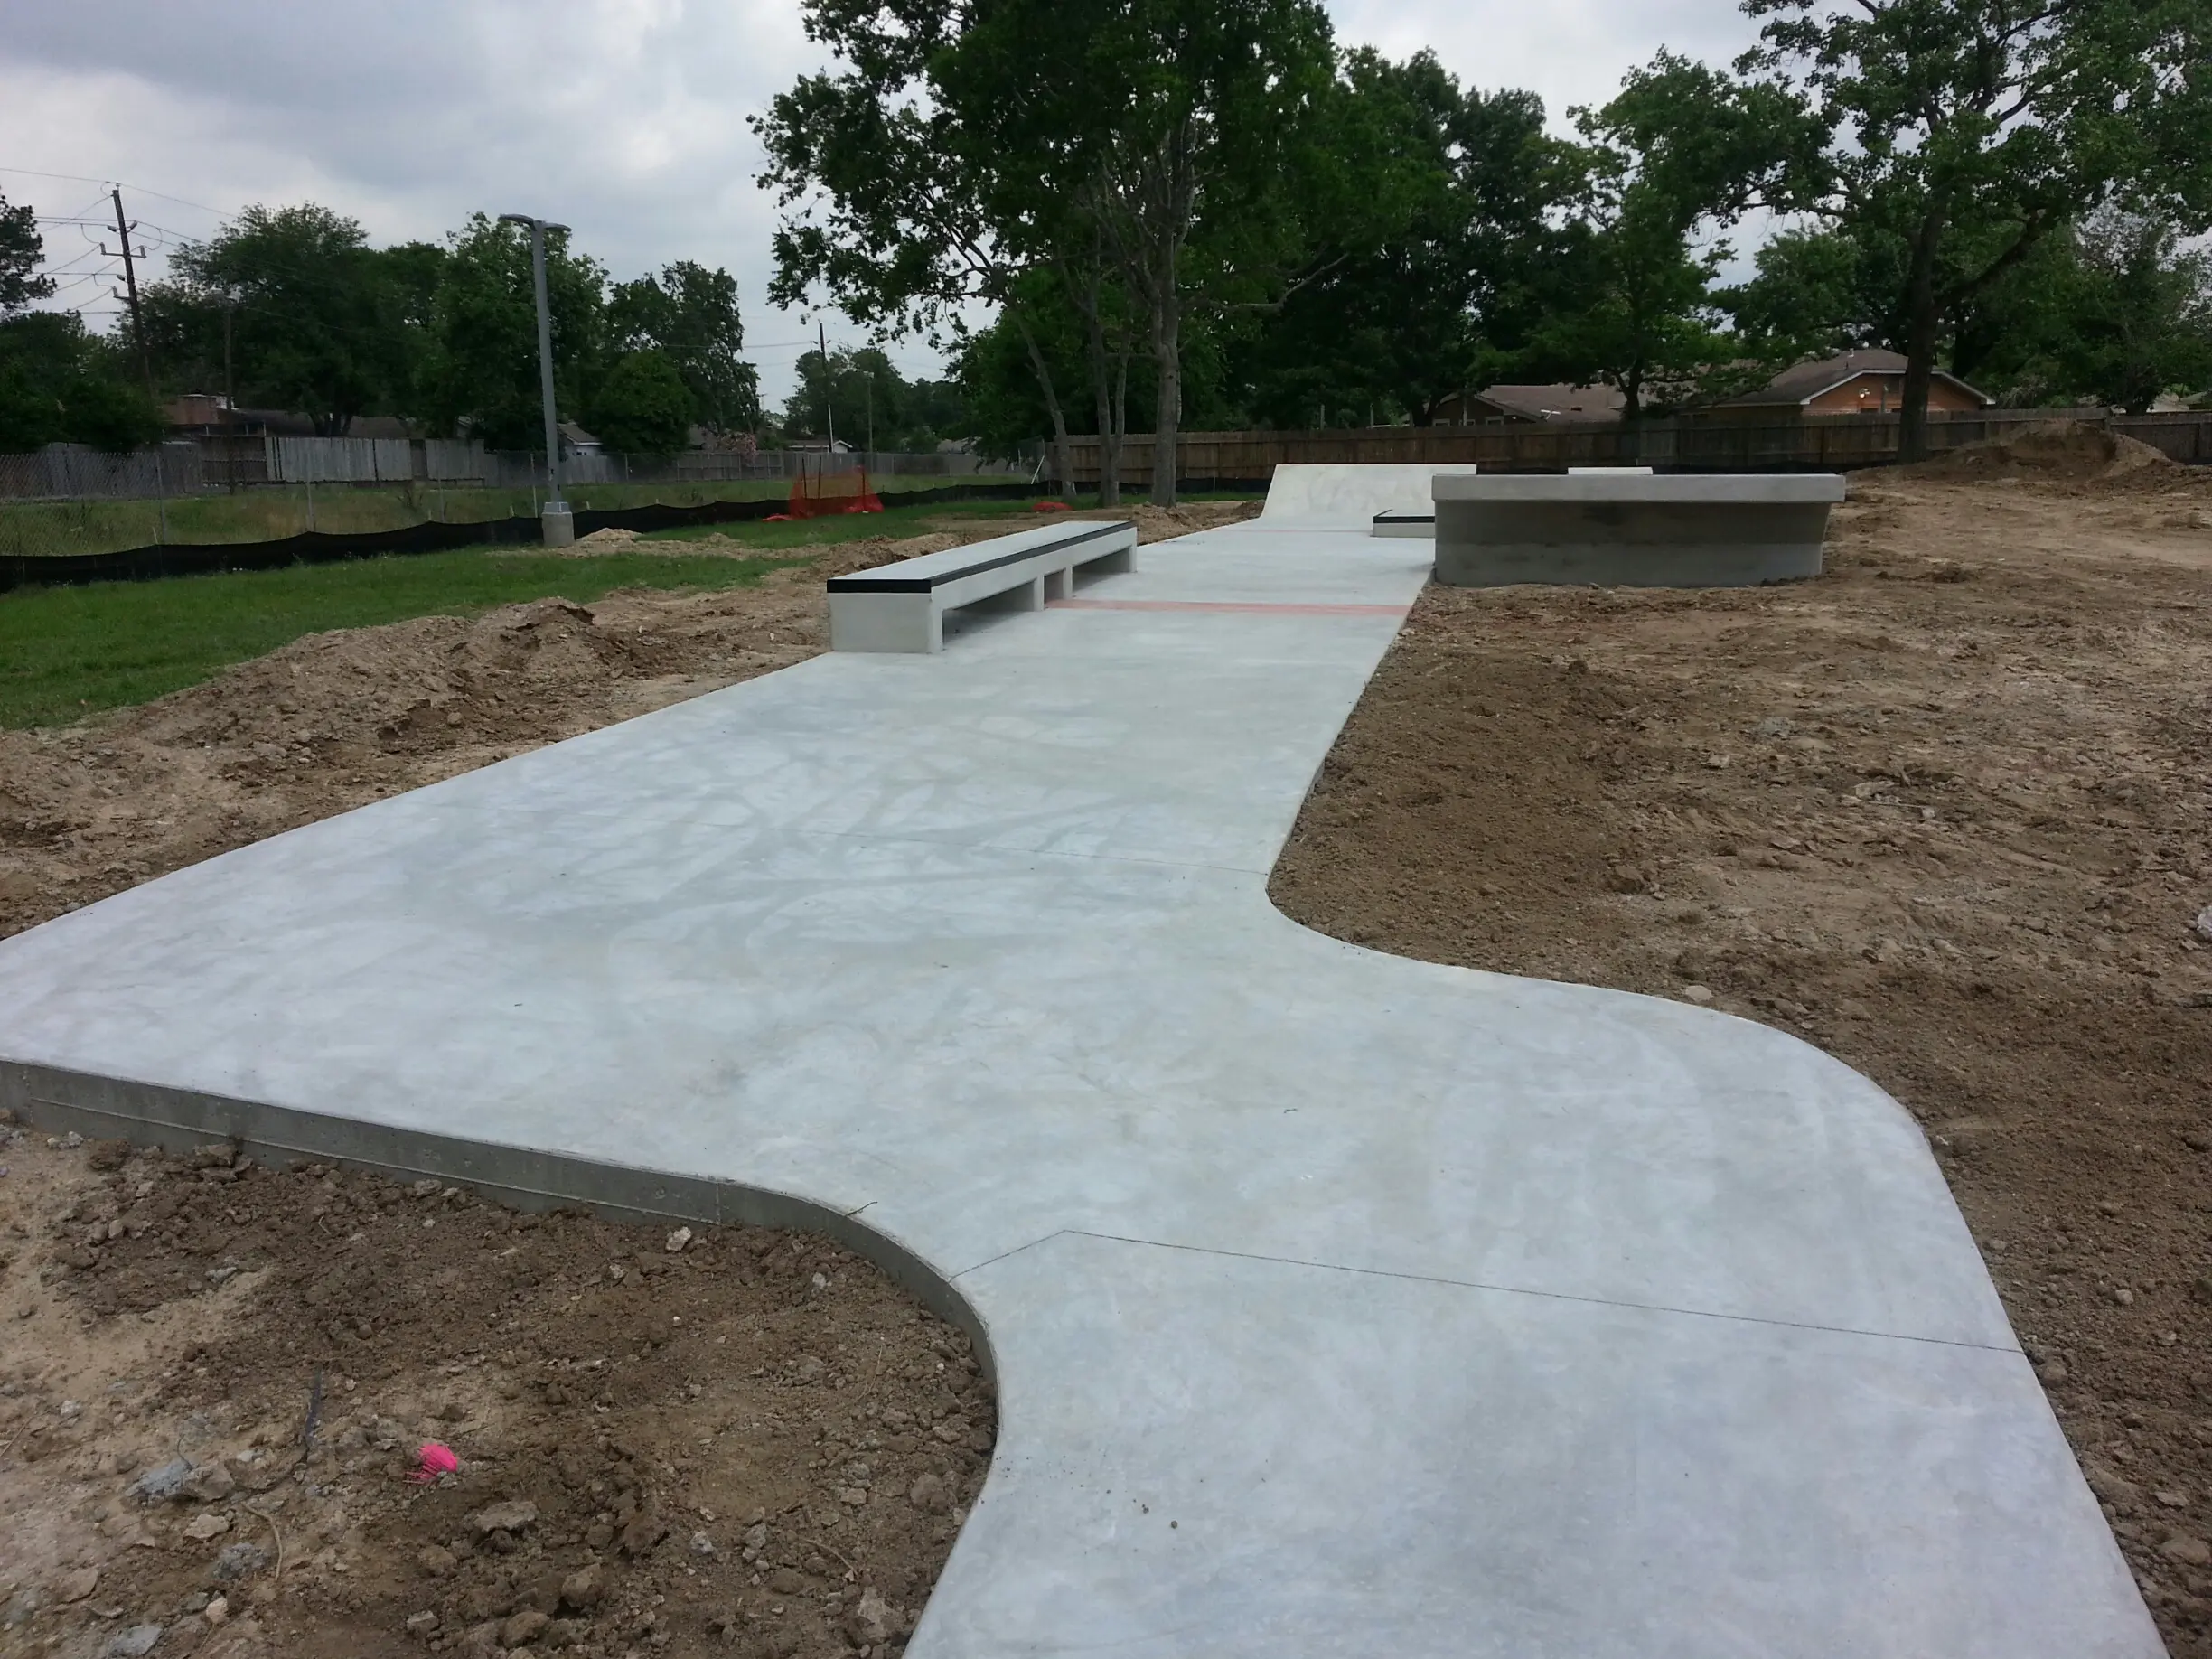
(599, 544)
(1165, 524)
(845, 557)
(2070, 451)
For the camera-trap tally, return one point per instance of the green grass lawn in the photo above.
(266, 513)
(69, 652)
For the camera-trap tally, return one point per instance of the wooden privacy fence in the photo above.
(1705, 443)
(62, 472)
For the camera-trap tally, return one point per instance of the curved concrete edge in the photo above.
(59, 1101)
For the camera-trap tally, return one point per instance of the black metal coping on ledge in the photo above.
(886, 579)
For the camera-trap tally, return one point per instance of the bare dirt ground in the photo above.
(336, 720)
(751, 1445)
(1943, 812)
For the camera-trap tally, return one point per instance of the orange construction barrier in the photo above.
(821, 495)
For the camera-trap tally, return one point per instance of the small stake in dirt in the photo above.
(315, 1410)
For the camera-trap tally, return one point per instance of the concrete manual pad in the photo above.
(1623, 526)
(1338, 1303)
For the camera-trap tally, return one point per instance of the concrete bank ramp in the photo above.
(1347, 497)
(1341, 1307)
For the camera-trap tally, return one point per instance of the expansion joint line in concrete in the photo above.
(1477, 1284)
(1231, 607)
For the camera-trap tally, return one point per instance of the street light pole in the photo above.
(557, 524)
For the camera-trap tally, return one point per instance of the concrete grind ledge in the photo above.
(1632, 529)
(1339, 1305)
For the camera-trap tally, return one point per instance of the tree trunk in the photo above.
(1061, 470)
(1921, 323)
(1168, 418)
(1112, 442)
(1109, 443)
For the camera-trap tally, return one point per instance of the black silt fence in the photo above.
(314, 548)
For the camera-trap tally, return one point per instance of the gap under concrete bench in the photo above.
(1622, 528)
(903, 606)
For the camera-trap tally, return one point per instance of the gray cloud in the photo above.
(624, 118)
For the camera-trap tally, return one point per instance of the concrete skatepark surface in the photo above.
(1338, 1303)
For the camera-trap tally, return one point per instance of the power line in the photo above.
(79, 178)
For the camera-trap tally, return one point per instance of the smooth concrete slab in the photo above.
(1442, 1313)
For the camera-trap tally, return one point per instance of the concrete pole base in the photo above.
(556, 527)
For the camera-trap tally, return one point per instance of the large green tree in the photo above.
(1680, 153)
(317, 321)
(1414, 300)
(1188, 136)
(1814, 292)
(21, 251)
(2114, 311)
(479, 372)
(1966, 133)
(1161, 157)
(689, 314)
(639, 405)
(896, 202)
(871, 404)
(60, 383)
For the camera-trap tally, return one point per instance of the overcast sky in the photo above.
(626, 119)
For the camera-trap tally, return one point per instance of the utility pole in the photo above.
(557, 524)
(829, 409)
(871, 412)
(130, 281)
(229, 309)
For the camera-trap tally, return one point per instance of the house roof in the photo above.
(1800, 385)
(1553, 402)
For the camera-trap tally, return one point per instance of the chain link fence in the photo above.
(67, 499)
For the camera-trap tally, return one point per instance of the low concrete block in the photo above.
(557, 528)
(1628, 530)
(1401, 523)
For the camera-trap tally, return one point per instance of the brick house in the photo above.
(1868, 382)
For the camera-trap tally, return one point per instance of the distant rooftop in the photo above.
(1800, 385)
